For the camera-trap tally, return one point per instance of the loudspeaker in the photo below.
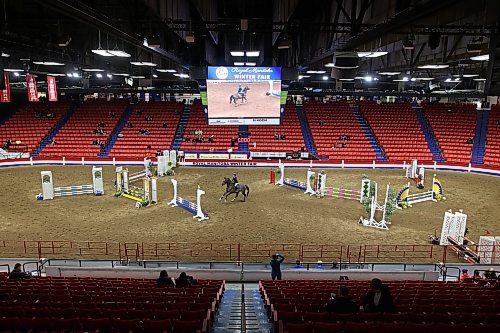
(198, 73)
(434, 40)
(289, 74)
(344, 73)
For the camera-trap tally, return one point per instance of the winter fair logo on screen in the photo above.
(221, 73)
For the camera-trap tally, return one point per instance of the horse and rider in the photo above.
(240, 94)
(233, 186)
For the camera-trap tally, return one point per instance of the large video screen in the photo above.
(244, 95)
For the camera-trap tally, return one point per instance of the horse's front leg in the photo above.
(235, 196)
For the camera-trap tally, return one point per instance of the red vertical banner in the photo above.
(32, 92)
(52, 89)
(5, 94)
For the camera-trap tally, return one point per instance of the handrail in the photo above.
(446, 273)
(6, 265)
(37, 263)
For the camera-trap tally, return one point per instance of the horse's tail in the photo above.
(248, 190)
(230, 99)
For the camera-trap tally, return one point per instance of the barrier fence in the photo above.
(244, 252)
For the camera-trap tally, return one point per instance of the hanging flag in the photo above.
(5, 94)
(52, 89)
(32, 92)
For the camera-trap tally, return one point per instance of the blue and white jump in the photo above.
(50, 192)
(194, 208)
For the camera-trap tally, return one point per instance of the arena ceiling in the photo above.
(409, 37)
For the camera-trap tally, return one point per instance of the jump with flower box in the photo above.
(315, 184)
(144, 196)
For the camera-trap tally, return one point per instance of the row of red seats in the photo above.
(397, 130)
(162, 126)
(453, 124)
(263, 136)
(222, 134)
(328, 122)
(26, 127)
(492, 149)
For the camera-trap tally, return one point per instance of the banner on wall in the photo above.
(32, 92)
(52, 88)
(5, 96)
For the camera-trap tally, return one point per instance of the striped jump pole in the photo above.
(50, 192)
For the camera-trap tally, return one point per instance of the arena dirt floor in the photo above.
(271, 214)
(257, 104)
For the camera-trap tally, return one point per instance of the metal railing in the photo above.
(230, 251)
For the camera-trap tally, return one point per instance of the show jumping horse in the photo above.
(231, 189)
(242, 95)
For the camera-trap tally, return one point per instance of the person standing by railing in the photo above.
(276, 261)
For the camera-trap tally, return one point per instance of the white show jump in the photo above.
(194, 208)
(49, 191)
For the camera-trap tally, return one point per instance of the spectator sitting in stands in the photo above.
(465, 275)
(282, 137)
(129, 124)
(158, 152)
(187, 138)
(101, 124)
(164, 125)
(255, 144)
(335, 145)
(211, 139)
(321, 123)
(148, 147)
(138, 112)
(470, 141)
(341, 303)
(378, 299)
(276, 136)
(112, 114)
(183, 281)
(490, 274)
(233, 141)
(498, 122)
(164, 280)
(8, 143)
(298, 265)
(477, 276)
(344, 145)
(17, 273)
(52, 142)
(148, 118)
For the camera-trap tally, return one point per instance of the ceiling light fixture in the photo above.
(138, 76)
(483, 57)
(374, 54)
(5, 55)
(315, 72)
(479, 79)
(253, 53)
(13, 70)
(389, 73)
(48, 63)
(92, 70)
(470, 75)
(346, 79)
(119, 53)
(433, 66)
(109, 76)
(143, 63)
(16, 74)
(237, 53)
(166, 70)
(98, 75)
(239, 64)
(155, 76)
(250, 64)
(325, 77)
(56, 74)
(330, 64)
(121, 74)
(70, 75)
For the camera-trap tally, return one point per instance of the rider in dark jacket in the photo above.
(235, 181)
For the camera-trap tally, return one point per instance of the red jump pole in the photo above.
(272, 176)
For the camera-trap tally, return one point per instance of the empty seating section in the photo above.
(492, 152)
(106, 305)
(197, 121)
(162, 127)
(33, 123)
(421, 306)
(337, 119)
(263, 136)
(77, 136)
(398, 131)
(453, 124)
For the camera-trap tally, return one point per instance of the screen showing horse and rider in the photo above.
(244, 95)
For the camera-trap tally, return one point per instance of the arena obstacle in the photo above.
(454, 225)
(49, 191)
(271, 91)
(145, 196)
(166, 163)
(488, 250)
(405, 199)
(192, 207)
(316, 185)
(374, 207)
(416, 173)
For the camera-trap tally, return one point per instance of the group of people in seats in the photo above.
(183, 281)
(489, 277)
(378, 299)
